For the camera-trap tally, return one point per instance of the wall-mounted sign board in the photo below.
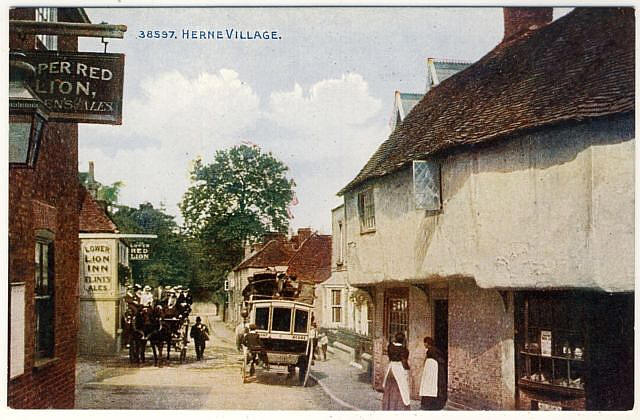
(79, 87)
(139, 251)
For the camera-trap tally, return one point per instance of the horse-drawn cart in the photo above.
(179, 328)
(281, 309)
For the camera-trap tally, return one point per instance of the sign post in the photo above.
(79, 87)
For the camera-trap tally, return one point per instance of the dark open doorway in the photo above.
(441, 330)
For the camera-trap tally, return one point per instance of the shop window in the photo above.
(44, 299)
(367, 211)
(551, 344)
(426, 185)
(336, 306)
(396, 313)
(47, 14)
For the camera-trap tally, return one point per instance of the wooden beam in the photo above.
(31, 27)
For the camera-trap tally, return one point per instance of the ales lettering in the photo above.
(97, 268)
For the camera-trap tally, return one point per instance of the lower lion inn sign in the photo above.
(79, 87)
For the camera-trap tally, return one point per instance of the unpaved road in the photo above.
(214, 383)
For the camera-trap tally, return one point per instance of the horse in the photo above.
(159, 335)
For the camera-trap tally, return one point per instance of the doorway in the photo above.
(441, 332)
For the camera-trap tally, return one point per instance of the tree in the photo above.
(241, 195)
(172, 260)
(238, 197)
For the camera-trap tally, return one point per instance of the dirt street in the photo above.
(214, 383)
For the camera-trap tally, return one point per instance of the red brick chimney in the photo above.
(303, 235)
(520, 19)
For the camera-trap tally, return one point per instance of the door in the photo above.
(441, 331)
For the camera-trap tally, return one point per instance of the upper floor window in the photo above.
(341, 244)
(44, 299)
(367, 211)
(47, 14)
(426, 184)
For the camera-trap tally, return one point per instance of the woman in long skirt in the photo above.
(396, 380)
(433, 386)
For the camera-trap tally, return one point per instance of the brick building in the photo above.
(498, 218)
(306, 255)
(43, 218)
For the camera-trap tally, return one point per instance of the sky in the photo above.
(319, 97)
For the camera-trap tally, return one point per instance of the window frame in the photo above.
(389, 296)
(436, 171)
(44, 345)
(47, 14)
(336, 292)
(366, 210)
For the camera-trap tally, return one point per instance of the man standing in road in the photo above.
(200, 335)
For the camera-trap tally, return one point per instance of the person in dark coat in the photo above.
(433, 386)
(252, 341)
(200, 335)
(396, 394)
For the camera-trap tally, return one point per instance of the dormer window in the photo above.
(426, 185)
(47, 14)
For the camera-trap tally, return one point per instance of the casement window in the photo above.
(396, 313)
(44, 296)
(47, 14)
(336, 306)
(367, 211)
(426, 185)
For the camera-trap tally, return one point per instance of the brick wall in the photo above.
(45, 197)
(420, 325)
(481, 362)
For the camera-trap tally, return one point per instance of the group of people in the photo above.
(175, 301)
(396, 380)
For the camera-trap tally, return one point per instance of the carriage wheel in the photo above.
(244, 372)
(303, 374)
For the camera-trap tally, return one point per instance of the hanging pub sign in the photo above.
(80, 87)
(139, 251)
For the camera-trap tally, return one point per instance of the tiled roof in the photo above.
(92, 217)
(312, 262)
(274, 253)
(580, 66)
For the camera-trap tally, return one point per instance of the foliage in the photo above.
(235, 199)
(171, 260)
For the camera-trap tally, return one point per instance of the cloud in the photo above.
(325, 134)
(175, 120)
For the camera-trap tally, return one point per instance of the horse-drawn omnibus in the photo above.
(281, 309)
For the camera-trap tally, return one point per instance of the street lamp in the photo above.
(26, 113)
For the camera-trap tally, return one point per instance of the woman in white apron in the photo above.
(396, 380)
(434, 381)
